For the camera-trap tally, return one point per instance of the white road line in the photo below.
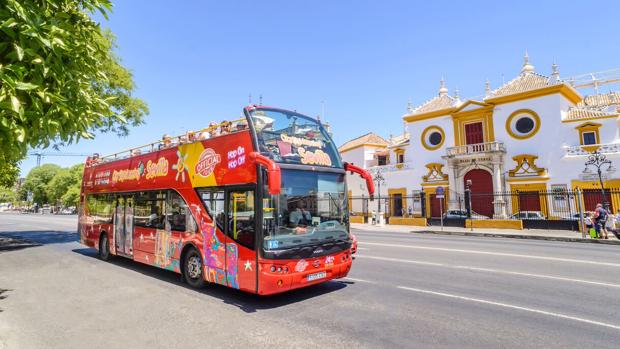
(497, 271)
(359, 280)
(362, 248)
(510, 306)
(557, 259)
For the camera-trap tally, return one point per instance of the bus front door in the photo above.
(123, 225)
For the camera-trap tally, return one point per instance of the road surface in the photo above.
(404, 290)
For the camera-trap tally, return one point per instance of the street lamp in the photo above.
(468, 184)
(598, 160)
(379, 179)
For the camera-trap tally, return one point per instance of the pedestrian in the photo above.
(410, 211)
(590, 225)
(600, 221)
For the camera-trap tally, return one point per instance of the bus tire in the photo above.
(104, 247)
(192, 268)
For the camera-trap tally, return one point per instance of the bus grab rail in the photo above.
(274, 177)
(365, 175)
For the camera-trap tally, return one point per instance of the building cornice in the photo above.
(564, 89)
(429, 115)
(376, 145)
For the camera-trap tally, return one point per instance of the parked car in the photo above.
(462, 214)
(531, 215)
(46, 209)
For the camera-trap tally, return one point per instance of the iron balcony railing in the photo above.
(476, 148)
(583, 150)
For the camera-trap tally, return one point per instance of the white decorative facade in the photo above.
(532, 134)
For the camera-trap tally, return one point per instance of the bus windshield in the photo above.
(293, 138)
(311, 210)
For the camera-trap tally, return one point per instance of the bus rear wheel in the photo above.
(192, 269)
(104, 247)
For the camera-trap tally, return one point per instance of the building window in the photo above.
(589, 134)
(400, 158)
(433, 137)
(523, 124)
(381, 160)
(589, 138)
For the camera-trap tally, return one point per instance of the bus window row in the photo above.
(155, 209)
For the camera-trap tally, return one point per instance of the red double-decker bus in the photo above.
(259, 204)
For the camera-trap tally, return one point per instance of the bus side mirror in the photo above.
(365, 175)
(274, 177)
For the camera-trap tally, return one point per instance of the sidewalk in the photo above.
(536, 234)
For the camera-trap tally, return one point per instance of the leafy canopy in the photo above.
(60, 80)
(37, 182)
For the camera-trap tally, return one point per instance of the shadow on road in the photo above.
(3, 295)
(247, 302)
(38, 237)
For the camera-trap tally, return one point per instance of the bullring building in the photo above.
(530, 135)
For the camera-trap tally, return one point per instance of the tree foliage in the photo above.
(37, 183)
(60, 80)
(64, 187)
(7, 194)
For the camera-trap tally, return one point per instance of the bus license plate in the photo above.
(317, 276)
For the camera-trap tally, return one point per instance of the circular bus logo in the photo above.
(206, 162)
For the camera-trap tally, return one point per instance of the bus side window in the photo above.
(241, 217)
(214, 202)
(178, 213)
(149, 209)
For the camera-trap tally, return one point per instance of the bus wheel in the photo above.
(192, 269)
(104, 247)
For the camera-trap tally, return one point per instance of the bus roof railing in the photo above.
(173, 141)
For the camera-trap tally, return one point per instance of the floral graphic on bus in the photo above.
(231, 265)
(164, 250)
(180, 166)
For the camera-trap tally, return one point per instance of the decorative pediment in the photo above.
(471, 105)
(435, 173)
(526, 167)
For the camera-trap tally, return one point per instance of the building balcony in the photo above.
(391, 167)
(584, 150)
(475, 149)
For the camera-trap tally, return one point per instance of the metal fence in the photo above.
(552, 209)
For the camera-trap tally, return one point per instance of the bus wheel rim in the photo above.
(193, 267)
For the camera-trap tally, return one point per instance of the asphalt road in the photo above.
(404, 291)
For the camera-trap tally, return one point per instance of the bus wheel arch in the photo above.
(190, 251)
(104, 246)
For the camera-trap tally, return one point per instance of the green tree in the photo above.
(60, 80)
(37, 182)
(62, 188)
(7, 194)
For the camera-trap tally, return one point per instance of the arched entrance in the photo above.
(481, 191)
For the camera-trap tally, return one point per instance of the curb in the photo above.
(519, 236)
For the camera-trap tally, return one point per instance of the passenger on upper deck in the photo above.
(225, 128)
(213, 131)
(136, 152)
(241, 125)
(167, 142)
(95, 159)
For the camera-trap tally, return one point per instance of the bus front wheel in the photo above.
(192, 269)
(104, 247)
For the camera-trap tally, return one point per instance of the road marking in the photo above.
(557, 259)
(362, 248)
(511, 306)
(359, 280)
(498, 271)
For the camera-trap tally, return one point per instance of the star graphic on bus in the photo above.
(180, 166)
(248, 265)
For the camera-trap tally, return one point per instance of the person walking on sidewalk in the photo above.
(600, 218)
(590, 226)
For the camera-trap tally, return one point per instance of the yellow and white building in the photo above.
(531, 134)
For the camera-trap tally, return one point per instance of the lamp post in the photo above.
(598, 160)
(379, 179)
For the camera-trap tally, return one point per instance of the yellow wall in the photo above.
(421, 222)
(495, 223)
(391, 192)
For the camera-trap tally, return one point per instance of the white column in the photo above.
(499, 202)
(453, 203)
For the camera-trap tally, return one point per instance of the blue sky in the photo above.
(197, 61)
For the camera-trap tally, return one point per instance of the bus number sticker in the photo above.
(206, 162)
